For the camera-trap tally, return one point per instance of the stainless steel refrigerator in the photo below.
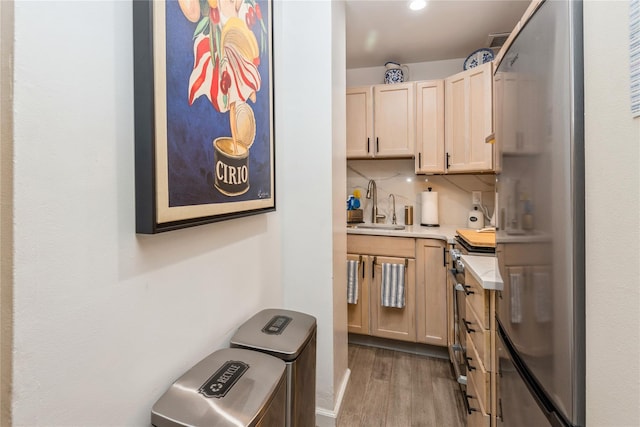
(540, 219)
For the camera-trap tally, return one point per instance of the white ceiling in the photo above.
(387, 30)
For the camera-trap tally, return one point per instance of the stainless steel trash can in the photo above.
(229, 388)
(290, 336)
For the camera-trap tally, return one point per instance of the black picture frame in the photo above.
(204, 112)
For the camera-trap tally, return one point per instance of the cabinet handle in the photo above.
(467, 291)
(373, 267)
(419, 160)
(466, 326)
(444, 257)
(377, 145)
(469, 408)
(448, 155)
(367, 145)
(469, 367)
(362, 268)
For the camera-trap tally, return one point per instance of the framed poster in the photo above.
(203, 83)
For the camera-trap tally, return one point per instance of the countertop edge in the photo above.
(446, 233)
(485, 270)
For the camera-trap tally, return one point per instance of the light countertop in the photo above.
(444, 232)
(485, 270)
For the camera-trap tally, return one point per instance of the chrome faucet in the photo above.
(394, 220)
(372, 191)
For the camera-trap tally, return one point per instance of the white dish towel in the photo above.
(352, 281)
(392, 289)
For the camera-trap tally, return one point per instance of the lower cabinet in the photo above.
(358, 313)
(431, 292)
(480, 352)
(391, 322)
(424, 317)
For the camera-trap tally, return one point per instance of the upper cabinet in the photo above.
(381, 121)
(359, 121)
(468, 120)
(429, 157)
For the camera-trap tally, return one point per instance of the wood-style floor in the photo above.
(390, 388)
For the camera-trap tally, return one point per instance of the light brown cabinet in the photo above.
(480, 324)
(381, 121)
(358, 314)
(390, 322)
(429, 157)
(359, 121)
(431, 292)
(385, 322)
(424, 316)
(469, 120)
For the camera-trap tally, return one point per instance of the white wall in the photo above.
(612, 218)
(307, 87)
(6, 207)
(105, 319)
(417, 71)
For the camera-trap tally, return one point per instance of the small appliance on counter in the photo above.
(475, 219)
(429, 215)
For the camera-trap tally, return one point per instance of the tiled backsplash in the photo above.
(398, 177)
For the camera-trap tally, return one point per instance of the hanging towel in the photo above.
(542, 296)
(392, 289)
(515, 287)
(352, 281)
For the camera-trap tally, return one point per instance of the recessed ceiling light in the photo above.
(417, 4)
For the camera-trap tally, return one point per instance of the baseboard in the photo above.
(407, 347)
(329, 418)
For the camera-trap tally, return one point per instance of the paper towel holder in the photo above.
(430, 224)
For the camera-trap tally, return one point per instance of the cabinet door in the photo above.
(480, 154)
(394, 323)
(359, 122)
(358, 314)
(430, 127)
(468, 120)
(394, 120)
(456, 106)
(431, 292)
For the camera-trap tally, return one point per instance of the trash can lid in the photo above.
(281, 333)
(230, 387)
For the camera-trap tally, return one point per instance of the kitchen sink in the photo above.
(378, 226)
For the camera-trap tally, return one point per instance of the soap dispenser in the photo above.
(476, 219)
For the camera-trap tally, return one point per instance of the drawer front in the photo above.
(478, 419)
(480, 337)
(401, 247)
(479, 300)
(477, 416)
(480, 377)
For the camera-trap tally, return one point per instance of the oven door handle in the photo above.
(457, 286)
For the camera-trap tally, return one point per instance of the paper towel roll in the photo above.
(430, 208)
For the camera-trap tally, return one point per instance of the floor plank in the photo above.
(399, 402)
(389, 388)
